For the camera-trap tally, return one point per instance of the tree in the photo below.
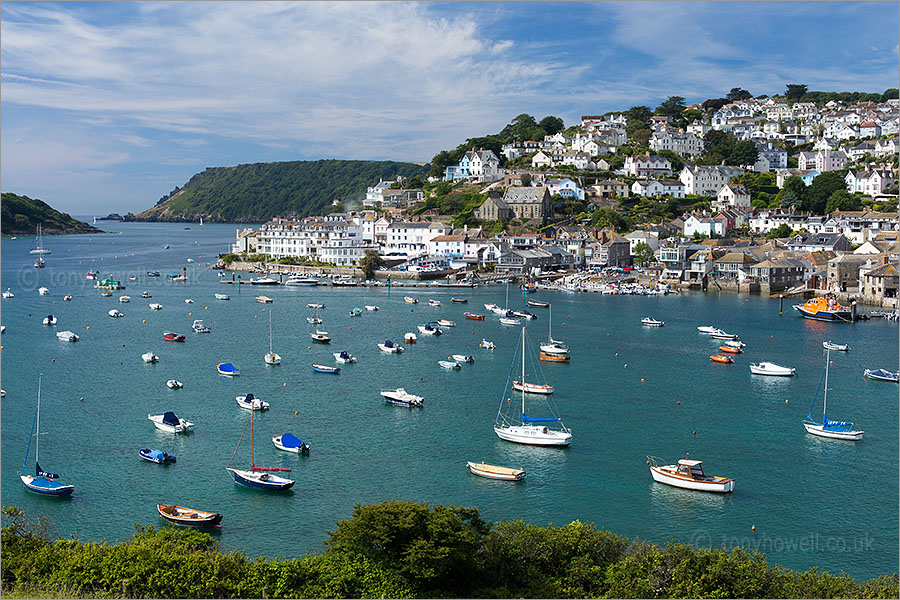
(821, 189)
(551, 124)
(743, 153)
(415, 182)
(640, 137)
(643, 254)
(889, 94)
(609, 217)
(714, 104)
(526, 179)
(794, 92)
(737, 93)
(671, 107)
(782, 231)
(441, 161)
(677, 161)
(842, 200)
(638, 117)
(370, 263)
(793, 192)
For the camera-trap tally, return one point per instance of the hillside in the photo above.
(257, 192)
(20, 215)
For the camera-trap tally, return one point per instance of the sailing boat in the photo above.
(271, 358)
(319, 335)
(553, 350)
(532, 431)
(201, 222)
(257, 477)
(41, 481)
(38, 247)
(842, 430)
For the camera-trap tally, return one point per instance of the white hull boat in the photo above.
(401, 397)
(66, 336)
(533, 435)
(429, 330)
(651, 322)
(42, 291)
(462, 358)
(149, 357)
(155, 306)
(839, 430)
(707, 329)
(170, 423)
(509, 322)
(371, 307)
(829, 345)
(115, 314)
(446, 323)
(390, 349)
(248, 402)
(344, 357)
(296, 280)
(272, 358)
(767, 368)
(689, 475)
(721, 335)
(532, 388)
(495, 472)
(49, 320)
(449, 365)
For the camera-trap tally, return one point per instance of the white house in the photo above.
(651, 238)
(643, 165)
(869, 182)
(710, 227)
(374, 193)
(566, 188)
(706, 180)
(541, 160)
(823, 160)
(732, 196)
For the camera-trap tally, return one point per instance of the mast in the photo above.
(506, 306)
(37, 432)
(825, 397)
(270, 328)
(252, 440)
(523, 374)
(550, 324)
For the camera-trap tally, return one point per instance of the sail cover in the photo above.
(537, 420)
(170, 419)
(828, 424)
(289, 440)
(42, 473)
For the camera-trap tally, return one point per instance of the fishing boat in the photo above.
(495, 472)
(42, 291)
(149, 357)
(826, 308)
(842, 430)
(446, 323)
(721, 335)
(410, 300)
(49, 320)
(509, 322)
(171, 336)
(115, 314)
(249, 402)
(344, 357)
(410, 338)
(536, 304)
(124, 299)
(315, 305)
(261, 478)
(688, 474)
(651, 322)
(532, 388)
(390, 347)
(721, 359)
(222, 296)
(882, 375)
(707, 329)
(529, 430)
(199, 327)
(67, 336)
(40, 481)
(355, 312)
(486, 344)
(170, 423)
(188, 517)
(174, 384)
(271, 358)
(301, 280)
(730, 350)
(829, 345)
(429, 329)
(460, 300)
(38, 247)
(371, 307)
(434, 303)
(450, 365)
(473, 316)
(462, 358)
(227, 369)
(159, 457)
(8, 294)
(401, 397)
(768, 368)
(290, 443)
(264, 300)
(325, 369)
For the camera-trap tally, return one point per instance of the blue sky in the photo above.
(106, 106)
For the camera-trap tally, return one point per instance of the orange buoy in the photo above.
(678, 402)
(642, 380)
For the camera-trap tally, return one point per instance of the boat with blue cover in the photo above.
(40, 481)
(290, 443)
(227, 369)
(260, 478)
(842, 430)
(160, 457)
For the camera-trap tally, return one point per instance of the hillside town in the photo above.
(806, 202)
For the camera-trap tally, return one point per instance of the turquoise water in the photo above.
(814, 502)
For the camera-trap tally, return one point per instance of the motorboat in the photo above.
(344, 357)
(290, 443)
(174, 384)
(355, 312)
(371, 307)
(493, 307)
(651, 322)
(67, 297)
(473, 316)
(264, 300)
(524, 314)
(325, 369)
(190, 260)
(199, 327)
(390, 347)
(149, 357)
(434, 303)
(429, 329)
(688, 474)
(882, 375)
(313, 320)
(735, 344)
(264, 281)
(320, 337)
(721, 335)
(410, 300)
(188, 517)
(449, 365)
(42, 291)
(401, 397)
(315, 305)
(532, 388)
(249, 402)
(49, 320)
(155, 306)
(149, 274)
(115, 314)
(723, 359)
(300, 280)
(446, 323)
(146, 295)
(227, 369)
(171, 336)
(8, 294)
(536, 304)
(462, 358)
(768, 368)
(188, 300)
(160, 457)
(508, 321)
(93, 275)
(829, 345)
(410, 338)
(222, 296)
(486, 344)
(730, 350)
(460, 300)
(124, 299)
(555, 347)
(841, 430)
(67, 336)
(826, 308)
(707, 329)
(495, 472)
(170, 423)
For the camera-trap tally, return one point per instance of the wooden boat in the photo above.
(171, 336)
(532, 388)
(446, 323)
(410, 300)
(401, 397)
(767, 368)
(260, 478)
(325, 369)
(290, 443)
(188, 517)
(829, 345)
(170, 423)
(249, 402)
(730, 350)
(689, 475)
(841, 430)
(67, 336)
(159, 457)
(473, 316)
(449, 365)
(264, 300)
(434, 303)
(460, 300)
(882, 375)
(548, 357)
(40, 481)
(495, 472)
(721, 359)
(651, 322)
(536, 304)
(227, 369)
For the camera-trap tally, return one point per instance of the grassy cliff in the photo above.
(21, 215)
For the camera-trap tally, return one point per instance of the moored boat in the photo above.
(842, 430)
(227, 369)
(536, 304)
(390, 347)
(320, 337)
(260, 478)
(290, 443)
(115, 314)
(315, 305)
(170, 423)
(264, 300)
(222, 296)
(688, 474)
(473, 316)
(882, 375)
(429, 329)
(401, 397)
(707, 329)
(160, 457)
(730, 349)
(67, 336)
(486, 344)
(449, 365)
(826, 308)
(155, 306)
(721, 359)
(49, 320)
(188, 517)
(446, 323)
(199, 327)
(651, 322)
(145, 295)
(548, 357)
(829, 345)
(149, 357)
(410, 300)
(300, 280)
(768, 368)
(434, 303)
(250, 402)
(509, 322)
(410, 338)
(532, 388)
(495, 472)
(524, 314)
(344, 357)
(356, 312)
(460, 300)
(171, 336)
(174, 384)
(325, 369)
(462, 358)
(40, 481)
(371, 307)
(721, 335)
(124, 299)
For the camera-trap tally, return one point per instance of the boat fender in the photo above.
(545, 430)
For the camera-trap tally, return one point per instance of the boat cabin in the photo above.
(690, 469)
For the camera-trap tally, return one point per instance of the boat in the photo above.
(429, 329)
(264, 300)
(532, 388)
(401, 397)
(132, 278)
(39, 263)
(300, 280)
(249, 402)
(188, 517)
(473, 316)
(42, 291)
(271, 358)
(188, 300)
(730, 350)
(261, 478)
(171, 336)
(721, 359)
(106, 293)
(550, 357)
(49, 320)
(222, 296)
(390, 347)
(882, 375)
(149, 357)
(264, 281)
(174, 384)
(371, 307)
(344, 357)
(115, 314)
(767, 368)
(40, 481)
(319, 336)
(313, 320)
(508, 321)
(227, 369)
(38, 247)
(841, 430)
(524, 314)
(190, 260)
(721, 335)
(410, 300)
(529, 430)
(356, 312)
(553, 350)
(290, 443)
(829, 345)
(446, 323)
(462, 358)
(826, 308)
(159, 457)
(651, 322)
(495, 472)
(707, 329)
(325, 369)
(179, 278)
(124, 299)
(449, 365)
(410, 338)
(149, 274)
(434, 303)
(199, 327)
(486, 344)
(528, 288)
(315, 305)
(536, 304)
(165, 246)
(460, 300)
(93, 275)
(8, 294)
(688, 474)
(170, 423)
(67, 336)
(146, 295)
(735, 344)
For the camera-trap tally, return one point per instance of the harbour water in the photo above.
(629, 391)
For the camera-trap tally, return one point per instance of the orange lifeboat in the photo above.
(721, 359)
(730, 350)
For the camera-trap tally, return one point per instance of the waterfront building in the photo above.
(412, 238)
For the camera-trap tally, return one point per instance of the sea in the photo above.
(629, 392)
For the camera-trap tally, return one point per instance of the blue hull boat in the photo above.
(48, 487)
(41, 482)
(326, 369)
(159, 457)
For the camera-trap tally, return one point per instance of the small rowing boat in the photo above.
(325, 369)
(495, 472)
(188, 517)
(473, 316)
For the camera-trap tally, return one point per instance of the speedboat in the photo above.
(651, 322)
(721, 335)
(390, 347)
(199, 327)
(536, 304)
(449, 365)
(429, 329)
(66, 336)
(344, 357)
(188, 300)
(227, 369)
(155, 306)
(492, 307)
(115, 314)
(371, 307)
(532, 388)
(410, 300)
(123, 299)
(723, 359)
(42, 291)
(170, 423)
(49, 320)
(250, 403)
(707, 329)
(495, 472)
(486, 344)
(264, 281)
(159, 457)
(446, 323)
(149, 274)
(462, 358)
(149, 357)
(290, 443)
(174, 384)
(320, 337)
(473, 316)
(829, 345)
(145, 295)
(188, 517)
(171, 336)
(401, 397)
(689, 475)
(767, 368)
(434, 303)
(222, 296)
(356, 312)
(508, 321)
(882, 375)
(735, 344)
(300, 280)
(325, 369)
(264, 300)
(67, 297)
(524, 314)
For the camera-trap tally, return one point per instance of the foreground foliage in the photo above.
(403, 549)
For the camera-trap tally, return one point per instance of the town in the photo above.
(794, 194)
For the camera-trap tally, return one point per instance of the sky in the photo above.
(107, 106)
